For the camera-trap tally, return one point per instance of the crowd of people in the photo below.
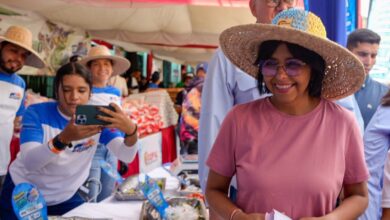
(55, 153)
(281, 118)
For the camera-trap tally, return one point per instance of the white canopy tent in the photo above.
(184, 33)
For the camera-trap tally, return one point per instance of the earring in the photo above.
(263, 88)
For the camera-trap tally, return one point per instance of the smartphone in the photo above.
(87, 114)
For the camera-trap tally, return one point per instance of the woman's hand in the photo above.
(117, 119)
(73, 132)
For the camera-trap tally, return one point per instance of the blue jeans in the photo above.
(98, 178)
(7, 212)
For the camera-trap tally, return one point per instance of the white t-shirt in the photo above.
(105, 95)
(59, 176)
(12, 104)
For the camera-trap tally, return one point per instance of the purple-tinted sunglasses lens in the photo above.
(291, 67)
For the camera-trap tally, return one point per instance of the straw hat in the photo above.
(344, 73)
(119, 66)
(22, 37)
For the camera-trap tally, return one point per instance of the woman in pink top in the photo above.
(296, 150)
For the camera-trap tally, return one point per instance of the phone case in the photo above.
(87, 115)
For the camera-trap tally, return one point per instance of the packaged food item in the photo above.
(130, 189)
(28, 202)
(183, 211)
(189, 184)
(154, 195)
(179, 208)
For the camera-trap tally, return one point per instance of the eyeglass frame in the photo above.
(289, 71)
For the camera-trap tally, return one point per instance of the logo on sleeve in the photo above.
(15, 95)
(84, 145)
(114, 99)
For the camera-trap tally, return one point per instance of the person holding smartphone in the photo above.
(55, 153)
(103, 65)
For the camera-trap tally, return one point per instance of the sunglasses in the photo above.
(276, 3)
(292, 67)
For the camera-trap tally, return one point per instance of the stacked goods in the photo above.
(147, 116)
(179, 208)
(152, 111)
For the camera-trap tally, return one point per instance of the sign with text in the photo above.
(150, 154)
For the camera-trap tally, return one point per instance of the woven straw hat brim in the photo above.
(120, 64)
(344, 72)
(33, 59)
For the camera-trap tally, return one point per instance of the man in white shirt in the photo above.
(15, 52)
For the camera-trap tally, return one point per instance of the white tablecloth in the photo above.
(120, 210)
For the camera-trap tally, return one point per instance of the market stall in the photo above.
(156, 118)
(120, 210)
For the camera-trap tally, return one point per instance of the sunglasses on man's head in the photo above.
(292, 67)
(276, 3)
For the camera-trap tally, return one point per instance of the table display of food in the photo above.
(179, 208)
(138, 199)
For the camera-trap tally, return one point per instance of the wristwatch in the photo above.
(59, 145)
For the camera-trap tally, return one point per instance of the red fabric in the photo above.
(133, 167)
(149, 66)
(168, 147)
(102, 42)
(168, 150)
(14, 148)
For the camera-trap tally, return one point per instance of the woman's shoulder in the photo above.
(113, 90)
(41, 111)
(337, 111)
(96, 91)
(43, 107)
(252, 106)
